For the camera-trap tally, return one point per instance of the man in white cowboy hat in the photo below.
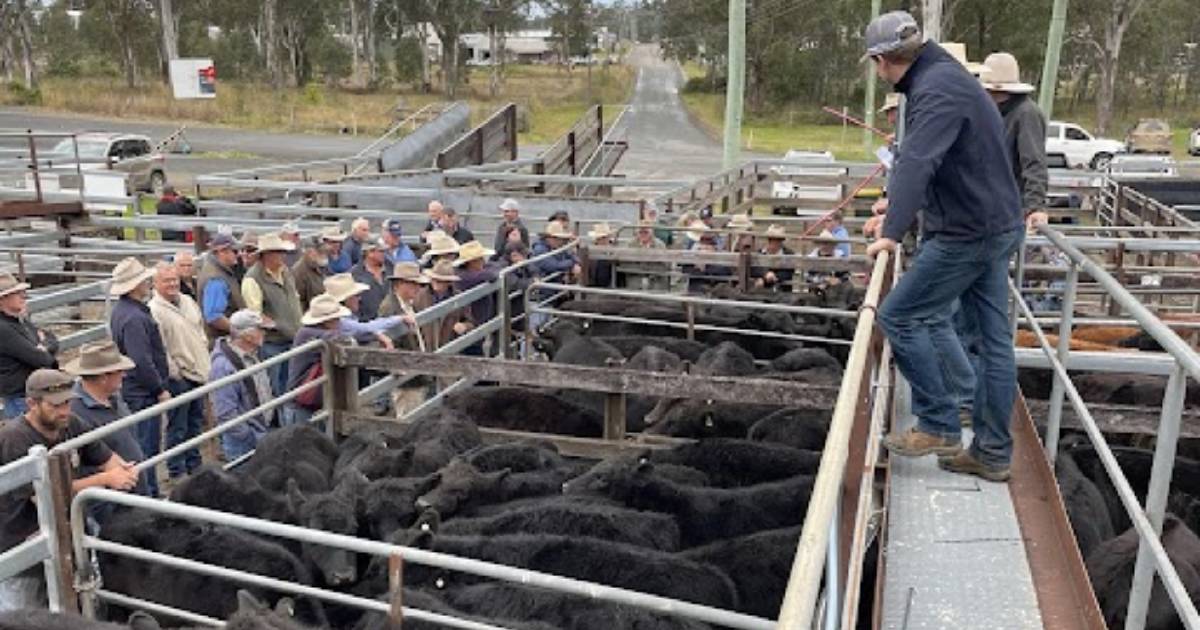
(247, 254)
(510, 210)
(182, 328)
(553, 237)
(270, 290)
(100, 369)
(349, 292)
(958, 50)
(406, 299)
(474, 270)
(23, 347)
(702, 275)
(600, 272)
(339, 259)
(218, 285)
(138, 337)
(972, 223)
(740, 227)
(1024, 131)
(322, 320)
(441, 247)
(290, 232)
(310, 271)
(232, 354)
(773, 277)
(442, 279)
(372, 271)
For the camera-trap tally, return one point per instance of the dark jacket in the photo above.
(96, 414)
(137, 337)
(483, 309)
(947, 163)
(353, 248)
(462, 234)
(299, 366)
(370, 301)
(502, 235)
(310, 281)
(1025, 139)
(20, 354)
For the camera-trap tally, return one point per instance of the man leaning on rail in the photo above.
(951, 166)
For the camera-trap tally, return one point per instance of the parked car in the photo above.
(128, 153)
(1194, 142)
(1150, 135)
(1079, 149)
(1140, 166)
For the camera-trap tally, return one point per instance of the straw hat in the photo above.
(740, 222)
(554, 229)
(776, 231)
(342, 287)
(9, 284)
(958, 50)
(128, 274)
(697, 229)
(600, 230)
(890, 102)
(1004, 74)
(443, 271)
(323, 308)
(408, 272)
(274, 243)
(333, 234)
(440, 245)
(249, 241)
(98, 358)
(472, 250)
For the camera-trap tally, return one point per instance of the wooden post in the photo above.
(199, 239)
(690, 310)
(59, 482)
(743, 270)
(340, 390)
(614, 417)
(396, 591)
(37, 174)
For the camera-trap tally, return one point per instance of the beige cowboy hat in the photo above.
(554, 229)
(9, 284)
(343, 286)
(443, 271)
(600, 230)
(958, 50)
(697, 229)
(274, 243)
(440, 245)
(98, 358)
(740, 222)
(1004, 75)
(323, 308)
(890, 102)
(472, 250)
(776, 231)
(128, 274)
(408, 272)
(333, 234)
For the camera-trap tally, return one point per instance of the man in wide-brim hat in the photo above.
(554, 236)
(1025, 132)
(441, 247)
(601, 233)
(339, 257)
(23, 347)
(269, 289)
(474, 271)
(442, 278)
(405, 299)
(137, 336)
(348, 292)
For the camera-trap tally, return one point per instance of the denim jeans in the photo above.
(14, 407)
(183, 423)
(241, 439)
(958, 372)
(278, 373)
(148, 434)
(976, 273)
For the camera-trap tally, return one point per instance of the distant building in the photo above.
(534, 46)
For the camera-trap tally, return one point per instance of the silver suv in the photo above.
(129, 153)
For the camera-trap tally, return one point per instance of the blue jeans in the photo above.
(148, 434)
(241, 439)
(183, 423)
(958, 373)
(976, 273)
(279, 373)
(14, 407)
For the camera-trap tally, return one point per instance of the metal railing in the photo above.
(41, 547)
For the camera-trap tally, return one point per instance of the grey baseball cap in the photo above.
(889, 32)
(246, 319)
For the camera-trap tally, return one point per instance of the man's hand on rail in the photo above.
(880, 206)
(881, 245)
(873, 226)
(1036, 218)
(122, 477)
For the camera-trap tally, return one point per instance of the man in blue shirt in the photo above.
(339, 256)
(833, 223)
(951, 166)
(396, 251)
(219, 288)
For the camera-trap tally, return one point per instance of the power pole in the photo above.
(869, 99)
(932, 14)
(735, 81)
(1054, 41)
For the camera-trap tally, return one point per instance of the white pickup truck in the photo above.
(1070, 143)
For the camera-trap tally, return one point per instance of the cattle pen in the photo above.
(884, 543)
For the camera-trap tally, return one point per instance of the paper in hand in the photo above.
(885, 157)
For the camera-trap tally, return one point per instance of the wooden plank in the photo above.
(59, 482)
(608, 380)
(34, 209)
(614, 417)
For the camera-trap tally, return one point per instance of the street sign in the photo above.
(193, 78)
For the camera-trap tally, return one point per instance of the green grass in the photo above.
(773, 135)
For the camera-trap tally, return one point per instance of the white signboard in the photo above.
(193, 78)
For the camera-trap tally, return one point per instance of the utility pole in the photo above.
(869, 99)
(932, 14)
(1054, 41)
(735, 81)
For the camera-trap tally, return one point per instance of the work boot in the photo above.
(914, 443)
(965, 464)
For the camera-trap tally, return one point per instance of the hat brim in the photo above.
(412, 279)
(74, 367)
(58, 398)
(121, 288)
(309, 320)
(284, 247)
(333, 239)
(1010, 88)
(359, 289)
(20, 286)
(600, 234)
(441, 278)
(485, 253)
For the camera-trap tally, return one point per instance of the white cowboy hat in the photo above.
(408, 272)
(600, 230)
(776, 231)
(472, 250)
(740, 222)
(323, 308)
(274, 243)
(342, 287)
(443, 271)
(696, 230)
(440, 245)
(9, 284)
(554, 229)
(958, 50)
(890, 102)
(333, 234)
(1004, 75)
(128, 274)
(98, 358)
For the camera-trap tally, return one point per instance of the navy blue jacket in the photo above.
(952, 161)
(137, 337)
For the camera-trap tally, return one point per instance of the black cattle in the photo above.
(504, 600)
(804, 359)
(1086, 507)
(794, 427)
(531, 503)
(436, 438)
(655, 359)
(520, 456)
(735, 463)
(574, 347)
(683, 475)
(526, 409)
(212, 544)
(630, 345)
(374, 454)
(299, 452)
(251, 614)
(581, 558)
(42, 619)
(640, 529)
(214, 488)
(697, 418)
(460, 486)
(427, 603)
(1145, 390)
(704, 514)
(759, 565)
(336, 512)
(1136, 464)
(390, 504)
(725, 359)
(1110, 568)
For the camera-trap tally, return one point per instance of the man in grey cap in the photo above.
(511, 211)
(290, 232)
(219, 286)
(231, 354)
(948, 167)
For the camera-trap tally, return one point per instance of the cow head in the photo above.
(458, 484)
(334, 512)
(389, 504)
(616, 477)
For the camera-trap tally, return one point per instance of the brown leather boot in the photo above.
(914, 443)
(964, 463)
